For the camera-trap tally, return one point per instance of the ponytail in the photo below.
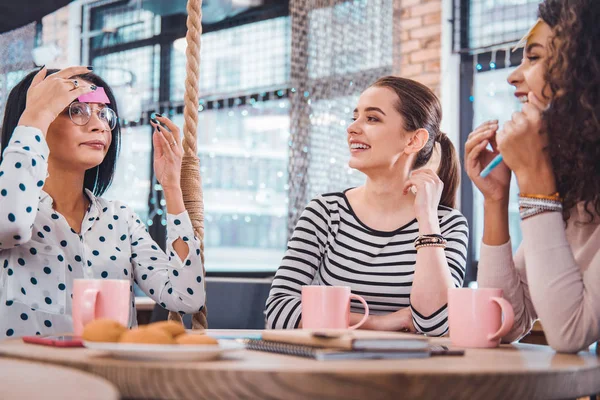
(448, 170)
(420, 108)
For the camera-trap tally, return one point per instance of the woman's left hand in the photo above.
(168, 153)
(398, 321)
(523, 146)
(429, 189)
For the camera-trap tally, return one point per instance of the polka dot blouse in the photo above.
(40, 254)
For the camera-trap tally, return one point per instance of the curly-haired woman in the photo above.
(553, 147)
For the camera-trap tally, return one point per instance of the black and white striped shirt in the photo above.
(331, 246)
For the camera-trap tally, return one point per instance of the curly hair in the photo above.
(549, 11)
(573, 118)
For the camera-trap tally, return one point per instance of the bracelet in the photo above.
(527, 202)
(433, 240)
(530, 212)
(443, 246)
(553, 196)
(531, 206)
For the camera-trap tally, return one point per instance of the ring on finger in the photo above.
(75, 83)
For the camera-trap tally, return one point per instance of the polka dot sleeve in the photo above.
(173, 283)
(22, 174)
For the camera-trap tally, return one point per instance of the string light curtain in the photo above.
(16, 59)
(339, 48)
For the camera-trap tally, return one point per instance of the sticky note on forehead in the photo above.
(97, 96)
(524, 39)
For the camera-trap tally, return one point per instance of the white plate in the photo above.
(165, 352)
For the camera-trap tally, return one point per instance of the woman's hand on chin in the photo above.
(168, 153)
(523, 146)
(428, 189)
(48, 96)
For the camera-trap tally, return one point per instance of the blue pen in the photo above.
(493, 164)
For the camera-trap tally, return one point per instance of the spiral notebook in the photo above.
(322, 354)
(349, 340)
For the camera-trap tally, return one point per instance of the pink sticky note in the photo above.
(97, 96)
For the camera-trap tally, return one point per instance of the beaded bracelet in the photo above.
(530, 206)
(433, 240)
(443, 246)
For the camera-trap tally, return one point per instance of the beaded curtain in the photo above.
(15, 59)
(339, 48)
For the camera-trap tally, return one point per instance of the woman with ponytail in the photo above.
(397, 240)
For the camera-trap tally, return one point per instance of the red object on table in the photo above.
(56, 341)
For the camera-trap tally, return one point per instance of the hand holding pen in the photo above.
(477, 155)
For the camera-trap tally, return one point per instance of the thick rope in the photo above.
(191, 184)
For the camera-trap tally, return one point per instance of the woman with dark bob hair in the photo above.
(60, 140)
(553, 148)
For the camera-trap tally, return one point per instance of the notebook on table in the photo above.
(349, 340)
(327, 354)
(326, 345)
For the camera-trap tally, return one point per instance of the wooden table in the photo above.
(519, 371)
(30, 380)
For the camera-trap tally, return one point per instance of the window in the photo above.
(487, 30)
(243, 133)
(494, 99)
(244, 114)
(494, 22)
(131, 183)
(243, 158)
(255, 56)
(123, 23)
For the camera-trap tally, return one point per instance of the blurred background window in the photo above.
(279, 81)
(485, 32)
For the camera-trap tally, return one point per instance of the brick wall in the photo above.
(417, 41)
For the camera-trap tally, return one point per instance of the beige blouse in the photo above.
(554, 276)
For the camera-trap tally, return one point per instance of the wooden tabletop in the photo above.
(31, 380)
(511, 372)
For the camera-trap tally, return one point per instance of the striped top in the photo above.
(331, 246)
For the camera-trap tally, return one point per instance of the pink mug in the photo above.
(100, 298)
(328, 307)
(475, 317)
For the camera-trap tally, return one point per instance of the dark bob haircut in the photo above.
(97, 179)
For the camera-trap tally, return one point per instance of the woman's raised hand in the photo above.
(524, 146)
(495, 187)
(48, 96)
(168, 153)
(429, 188)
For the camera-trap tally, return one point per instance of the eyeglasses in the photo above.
(81, 113)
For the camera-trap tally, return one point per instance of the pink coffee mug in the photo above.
(475, 317)
(328, 307)
(100, 298)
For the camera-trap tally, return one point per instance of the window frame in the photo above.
(461, 45)
(173, 27)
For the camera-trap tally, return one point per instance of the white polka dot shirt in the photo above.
(40, 255)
